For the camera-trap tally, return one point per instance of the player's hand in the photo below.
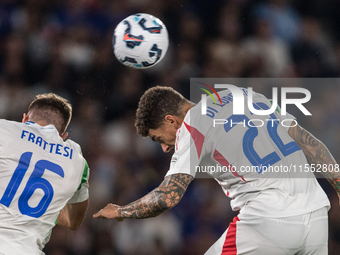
(108, 212)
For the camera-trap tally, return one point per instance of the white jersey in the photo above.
(40, 174)
(252, 157)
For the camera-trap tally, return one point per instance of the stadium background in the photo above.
(65, 47)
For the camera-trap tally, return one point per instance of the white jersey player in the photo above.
(259, 162)
(44, 179)
(246, 155)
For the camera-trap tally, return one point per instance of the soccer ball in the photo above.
(140, 41)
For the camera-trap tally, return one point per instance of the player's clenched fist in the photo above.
(108, 212)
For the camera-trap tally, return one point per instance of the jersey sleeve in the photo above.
(186, 156)
(286, 120)
(82, 193)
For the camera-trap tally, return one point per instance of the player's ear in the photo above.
(64, 136)
(24, 118)
(172, 120)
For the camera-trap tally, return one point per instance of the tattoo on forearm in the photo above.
(164, 197)
(317, 153)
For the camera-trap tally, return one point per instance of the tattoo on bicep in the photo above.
(308, 143)
(164, 197)
(306, 138)
(317, 153)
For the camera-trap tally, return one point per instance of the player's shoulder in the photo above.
(72, 144)
(76, 153)
(10, 124)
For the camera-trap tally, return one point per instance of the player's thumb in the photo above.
(98, 214)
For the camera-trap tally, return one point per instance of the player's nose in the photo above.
(165, 148)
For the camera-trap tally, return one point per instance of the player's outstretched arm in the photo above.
(162, 198)
(316, 153)
(72, 215)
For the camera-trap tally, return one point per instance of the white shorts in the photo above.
(253, 235)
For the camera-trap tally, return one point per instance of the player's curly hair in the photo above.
(52, 109)
(154, 105)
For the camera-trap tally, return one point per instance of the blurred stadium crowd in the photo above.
(65, 47)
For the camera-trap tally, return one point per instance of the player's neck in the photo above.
(186, 108)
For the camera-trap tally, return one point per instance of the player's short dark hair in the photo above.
(52, 109)
(154, 105)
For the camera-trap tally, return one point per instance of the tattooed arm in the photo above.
(316, 153)
(162, 198)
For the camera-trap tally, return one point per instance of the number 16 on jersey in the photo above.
(34, 182)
